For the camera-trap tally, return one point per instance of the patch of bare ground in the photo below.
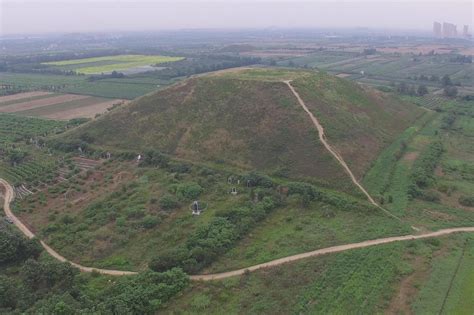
(22, 106)
(343, 75)
(21, 96)
(410, 156)
(436, 215)
(409, 285)
(452, 200)
(406, 291)
(85, 112)
(439, 171)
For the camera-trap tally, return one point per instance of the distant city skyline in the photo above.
(53, 16)
(450, 30)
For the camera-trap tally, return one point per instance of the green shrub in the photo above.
(467, 201)
(422, 173)
(188, 191)
(168, 202)
(431, 196)
(149, 222)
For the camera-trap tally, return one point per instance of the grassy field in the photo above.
(359, 122)
(381, 279)
(295, 229)
(107, 64)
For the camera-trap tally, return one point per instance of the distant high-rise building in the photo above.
(437, 29)
(449, 30)
(465, 31)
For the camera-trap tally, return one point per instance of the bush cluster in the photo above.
(213, 239)
(422, 174)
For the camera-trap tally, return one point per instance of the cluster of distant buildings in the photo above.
(449, 30)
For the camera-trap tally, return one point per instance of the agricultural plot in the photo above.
(121, 63)
(385, 68)
(23, 159)
(428, 186)
(126, 88)
(56, 106)
(449, 287)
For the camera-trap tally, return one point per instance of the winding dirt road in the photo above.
(322, 138)
(9, 196)
(328, 250)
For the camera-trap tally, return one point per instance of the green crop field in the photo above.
(99, 65)
(449, 288)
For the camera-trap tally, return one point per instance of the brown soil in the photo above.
(20, 96)
(439, 171)
(84, 112)
(343, 75)
(402, 299)
(22, 106)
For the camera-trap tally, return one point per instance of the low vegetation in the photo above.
(37, 284)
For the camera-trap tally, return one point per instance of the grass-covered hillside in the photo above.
(250, 119)
(358, 121)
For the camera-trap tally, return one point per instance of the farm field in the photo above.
(56, 106)
(382, 69)
(126, 88)
(449, 287)
(24, 160)
(441, 197)
(107, 64)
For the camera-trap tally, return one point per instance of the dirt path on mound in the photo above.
(9, 196)
(322, 138)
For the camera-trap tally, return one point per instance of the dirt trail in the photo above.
(328, 250)
(9, 196)
(322, 138)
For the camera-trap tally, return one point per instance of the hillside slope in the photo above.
(251, 120)
(358, 121)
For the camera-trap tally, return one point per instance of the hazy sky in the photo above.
(30, 16)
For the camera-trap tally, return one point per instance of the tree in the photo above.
(8, 293)
(446, 80)
(422, 90)
(450, 91)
